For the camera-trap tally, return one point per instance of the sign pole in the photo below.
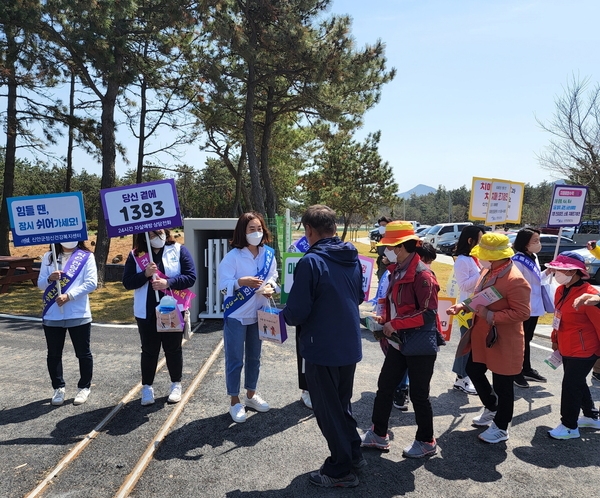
(150, 254)
(557, 242)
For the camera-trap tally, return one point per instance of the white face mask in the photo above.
(390, 255)
(254, 238)
(486, 264)
(562, 279)
(381, 230)
(535, 248)
(69, 245)
(158, 242)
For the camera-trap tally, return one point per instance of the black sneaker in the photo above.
(401, 399)
(534, 376)
(596, 376)
(520, 381)
(348, 481)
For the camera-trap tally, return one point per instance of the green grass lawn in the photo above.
(111, 304)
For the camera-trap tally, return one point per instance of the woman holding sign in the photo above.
(495, 341)
(247, 276)
(68, 309)
(169, 269)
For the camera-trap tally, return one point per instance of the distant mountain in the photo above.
(418, 190)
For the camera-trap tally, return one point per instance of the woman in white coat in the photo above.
(69, 311)
(247, 277)
(466, 272)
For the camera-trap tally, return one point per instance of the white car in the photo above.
(444, 232)
(592, 265)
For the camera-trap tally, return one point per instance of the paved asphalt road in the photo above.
(205, 454)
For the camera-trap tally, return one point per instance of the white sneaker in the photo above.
(147, 395)
(59, 396)
(82, 396)
(485, 418)
(238, 413)
(306, 399)
(256, 403)
(493, 434)
(594, 423)
(175, 393)
(465, 385)
(562, 432)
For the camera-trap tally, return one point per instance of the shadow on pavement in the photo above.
(26, 412)
(399, 480)
(185, 442)
(551, 453)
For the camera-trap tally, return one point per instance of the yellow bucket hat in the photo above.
(398, 232)
(492, 247)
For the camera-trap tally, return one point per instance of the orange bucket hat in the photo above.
(398, 232)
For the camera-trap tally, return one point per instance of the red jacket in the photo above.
(578, 334)
(415, 296)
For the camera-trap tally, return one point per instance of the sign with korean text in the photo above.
(47, 219)
(567, 206)
(142, 207)
(515, 202)
(498, 202)
(366, 266)
(481, 194)
(289, 260)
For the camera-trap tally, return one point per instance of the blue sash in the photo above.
(528, 263)
(74, 266)
(302, 244)
(243, 294)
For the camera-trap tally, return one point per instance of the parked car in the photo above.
(592, 265)
(588, 227)
(447, 247)
(375, 235)
(549, 246)
(419, 231)
(444, 232)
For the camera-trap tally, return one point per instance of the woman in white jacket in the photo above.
(68, 311)
(526, 245)
(247, 277)
(466, 272)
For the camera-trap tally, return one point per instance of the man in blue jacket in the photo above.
(323, 305)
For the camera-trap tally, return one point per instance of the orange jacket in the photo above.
(578, 334)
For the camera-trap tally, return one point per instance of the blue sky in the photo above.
(472, 78)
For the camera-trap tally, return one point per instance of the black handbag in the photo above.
(420, 341)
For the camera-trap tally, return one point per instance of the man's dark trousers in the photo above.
(330, 392)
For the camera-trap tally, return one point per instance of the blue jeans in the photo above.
(238, 338)
(460, 363)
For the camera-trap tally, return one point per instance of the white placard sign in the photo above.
(515, 202)
(480, 195)
(498, 204)
(568, 202)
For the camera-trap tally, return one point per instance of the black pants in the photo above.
(151, 343)
(500, 398)
(55, 340)
(301, 367)
(330, 392)
(420, 371)
(528, 328)
(575, 392)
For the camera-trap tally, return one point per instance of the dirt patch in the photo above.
(119, 247)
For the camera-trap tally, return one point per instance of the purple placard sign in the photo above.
(142, 207)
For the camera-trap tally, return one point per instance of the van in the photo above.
(444, 232)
